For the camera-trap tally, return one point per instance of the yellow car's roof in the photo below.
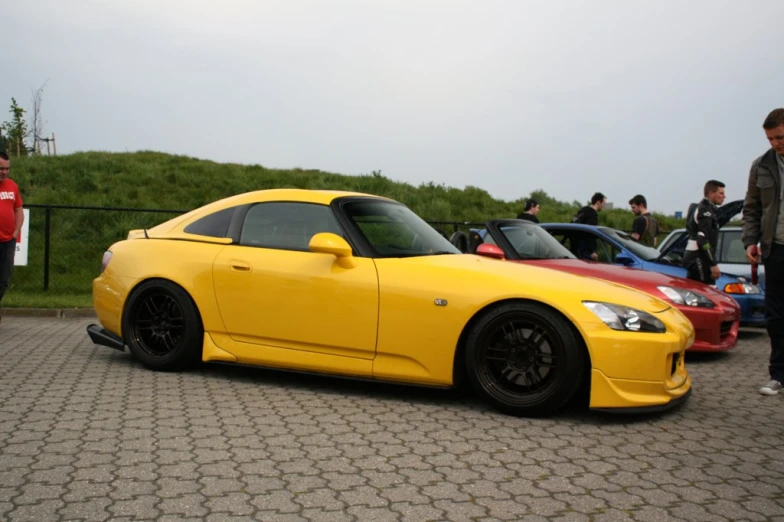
(323, 197)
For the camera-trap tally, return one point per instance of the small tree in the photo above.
(37, 120)
(16, 131)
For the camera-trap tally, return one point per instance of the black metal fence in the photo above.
(66, 242)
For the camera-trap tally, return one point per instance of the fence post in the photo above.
(47, 236)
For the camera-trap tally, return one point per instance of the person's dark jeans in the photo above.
(7, 251)
(774, 309)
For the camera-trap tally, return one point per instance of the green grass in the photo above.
(154, 180)
(42, 299)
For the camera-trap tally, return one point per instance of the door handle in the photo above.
(239, 266)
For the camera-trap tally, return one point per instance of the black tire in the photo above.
(525, 359)
(460, 240)
(162, 326)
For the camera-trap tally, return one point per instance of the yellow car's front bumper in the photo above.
(636, 396)
(640, 371)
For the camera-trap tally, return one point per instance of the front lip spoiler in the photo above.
(674, 403)
(102, 337)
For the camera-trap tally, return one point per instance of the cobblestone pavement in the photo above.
(86, 433)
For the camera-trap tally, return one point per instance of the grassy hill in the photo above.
(153, 180)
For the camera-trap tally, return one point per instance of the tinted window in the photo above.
(533, 242)
(732, 250)
(214, 225)
(287, 226)
(393, 230)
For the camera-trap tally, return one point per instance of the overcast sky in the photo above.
(621, 96)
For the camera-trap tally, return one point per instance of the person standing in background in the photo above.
(11, 219)
(645, 228)
(763, 223)
(589, 215)
(530, 211)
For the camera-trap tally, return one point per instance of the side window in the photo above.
(732, 250)
(607, 252)
(214, 225)
(524, 241)
(286, 226)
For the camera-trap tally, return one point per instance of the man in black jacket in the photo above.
(589, 215)
(763, 223)
(703, 228)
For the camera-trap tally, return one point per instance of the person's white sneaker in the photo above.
(772, 388)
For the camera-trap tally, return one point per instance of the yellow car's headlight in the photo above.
(619, 317)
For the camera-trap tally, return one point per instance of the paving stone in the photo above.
(88, 434)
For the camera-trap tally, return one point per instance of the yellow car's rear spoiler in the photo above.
(138, 233)
(141, 233)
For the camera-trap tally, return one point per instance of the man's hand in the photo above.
(715, 272)
(753, 254)
(16, 234)
(594, 256)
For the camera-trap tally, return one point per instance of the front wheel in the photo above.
(525, 359)
(162, 326)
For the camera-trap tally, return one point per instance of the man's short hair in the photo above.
(597, 197)
(639, 199)
(4, 155)
(774, 119)
(712, 186)
(531, 203)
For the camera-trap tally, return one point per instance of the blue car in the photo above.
(615, 246)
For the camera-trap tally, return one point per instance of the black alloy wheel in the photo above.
(525, 359)
(162, 326)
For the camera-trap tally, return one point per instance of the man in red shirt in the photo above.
(11, 218)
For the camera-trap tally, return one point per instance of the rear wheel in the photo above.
(525, 359)
(162, 326)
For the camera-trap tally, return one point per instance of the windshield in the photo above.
(533, 242)
(393, 230)
(644, 252)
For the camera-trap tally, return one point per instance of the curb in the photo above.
(61, 313)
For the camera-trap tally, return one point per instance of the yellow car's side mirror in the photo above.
(329, 243)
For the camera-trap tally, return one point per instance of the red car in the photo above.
(715, 316)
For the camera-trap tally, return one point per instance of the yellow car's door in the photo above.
(271, 291)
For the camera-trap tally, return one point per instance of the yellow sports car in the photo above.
(358, 285)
